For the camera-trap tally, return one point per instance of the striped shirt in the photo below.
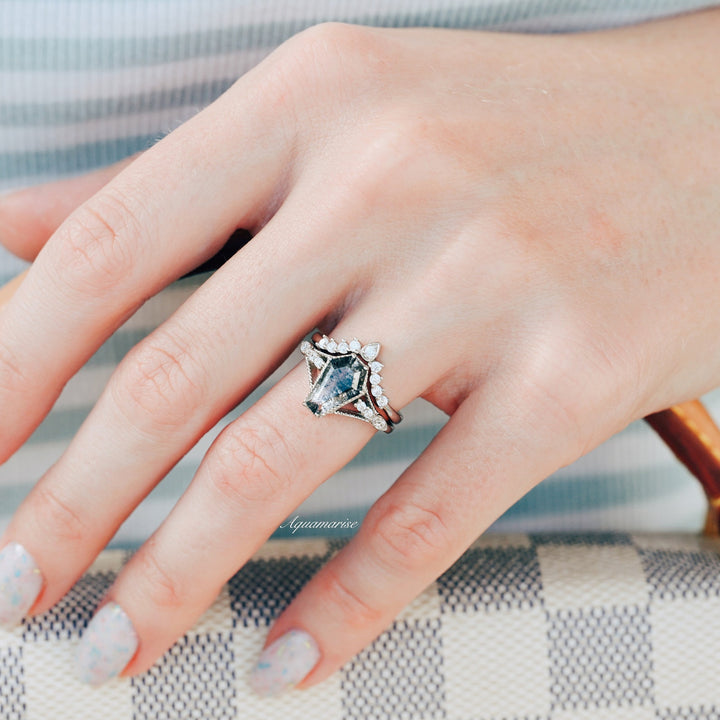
(84, 83)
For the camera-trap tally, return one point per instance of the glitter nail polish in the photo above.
(20, 583)
(107, 645)
(284, 662)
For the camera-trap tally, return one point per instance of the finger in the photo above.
(483, 460)
(256, 472)
(163, 215)
(167, 392)
(28, 217)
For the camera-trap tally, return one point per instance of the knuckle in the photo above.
(390, 148)
(55, 517)
(356, 611)
(318, 48)
(160, 383)
(550, 398)
(322, 61)
(158, 583)
(407, 535)
(397, 162)
(100, 242)
(562, 415)
(568, 390)
(251, 463)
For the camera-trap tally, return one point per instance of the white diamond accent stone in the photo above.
(360, 405)
(305, 347)
(342, 346)
(368, 412)
(375, 379)
(382, 401)
(355, 345)
(370, 351)
(322, 342)
(376, 390)
(332, 346)
(376, 366)
(318, 361)
(379, 422)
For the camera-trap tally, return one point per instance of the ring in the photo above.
(345, 380)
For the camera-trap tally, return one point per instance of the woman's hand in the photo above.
(528, 225)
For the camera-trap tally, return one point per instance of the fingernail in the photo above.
(107, 645)
(284, 662)
(20, 584)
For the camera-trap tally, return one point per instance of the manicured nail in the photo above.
(284, 662)
(107, 645)
(20, 584)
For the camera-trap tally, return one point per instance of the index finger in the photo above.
(163, 215)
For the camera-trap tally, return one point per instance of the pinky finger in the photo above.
(471, 472)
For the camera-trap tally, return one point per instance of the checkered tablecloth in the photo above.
(522, 627)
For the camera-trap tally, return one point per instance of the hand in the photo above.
(526, 223)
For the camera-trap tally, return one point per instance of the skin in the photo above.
(527, 223)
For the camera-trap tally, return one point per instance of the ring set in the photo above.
(345, 379)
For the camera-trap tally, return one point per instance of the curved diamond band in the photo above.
(345, 379)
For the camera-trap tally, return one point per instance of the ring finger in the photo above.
(257, 471)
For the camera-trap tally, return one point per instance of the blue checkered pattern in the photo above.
(520, 627)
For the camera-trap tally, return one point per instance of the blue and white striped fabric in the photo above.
(86, 82)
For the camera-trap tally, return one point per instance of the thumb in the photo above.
(28, 217)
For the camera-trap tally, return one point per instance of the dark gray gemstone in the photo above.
(340, 381)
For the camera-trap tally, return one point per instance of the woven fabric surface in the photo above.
(521, 627)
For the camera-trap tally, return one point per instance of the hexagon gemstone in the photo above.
(340, 382)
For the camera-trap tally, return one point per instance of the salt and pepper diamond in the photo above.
(343, 378)
(340, 381)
